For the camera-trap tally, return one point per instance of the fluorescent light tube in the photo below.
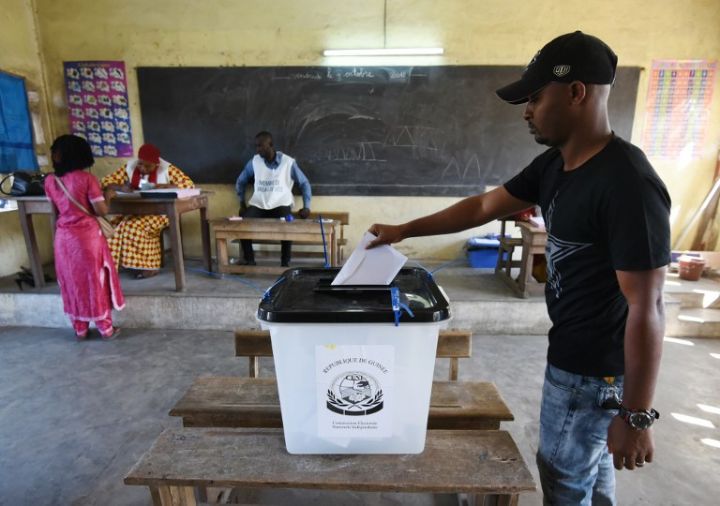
(402, 51)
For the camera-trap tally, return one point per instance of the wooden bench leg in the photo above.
(222, 255)
(254, 365)
(173, 496)
(525, 271)
(493, 500)
(453, 369)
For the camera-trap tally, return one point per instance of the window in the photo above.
(17, 150)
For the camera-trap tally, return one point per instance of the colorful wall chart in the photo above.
(678, 108)
(98, 106)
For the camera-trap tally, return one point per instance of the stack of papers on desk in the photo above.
(377, 266)
(122, 194)
(175, 193)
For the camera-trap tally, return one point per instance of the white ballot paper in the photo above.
(377, 266)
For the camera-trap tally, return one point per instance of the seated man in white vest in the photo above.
(274, 173)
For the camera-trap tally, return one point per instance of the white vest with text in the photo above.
(273, 187)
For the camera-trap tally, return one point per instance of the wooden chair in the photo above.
(505, 251)
(531, 243)
(453, 344)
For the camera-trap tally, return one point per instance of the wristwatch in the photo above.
(639, 419)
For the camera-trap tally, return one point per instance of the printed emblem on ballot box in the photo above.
(355, 394)
(355, 388)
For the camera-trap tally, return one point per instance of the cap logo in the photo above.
(561, 70)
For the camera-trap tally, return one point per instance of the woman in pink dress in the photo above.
(84, 266)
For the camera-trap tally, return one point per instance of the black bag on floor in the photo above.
(25, 184)
(24, 275)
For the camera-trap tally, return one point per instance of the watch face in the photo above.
(640, 420)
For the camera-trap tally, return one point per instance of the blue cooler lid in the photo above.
(304, 295)
(483, 242)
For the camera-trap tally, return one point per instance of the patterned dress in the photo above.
(136, 243)
(85, 271)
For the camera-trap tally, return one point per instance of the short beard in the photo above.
(543, 141)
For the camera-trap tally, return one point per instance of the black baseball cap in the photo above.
(574, 56)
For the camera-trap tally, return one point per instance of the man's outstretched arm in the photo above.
(468, 213)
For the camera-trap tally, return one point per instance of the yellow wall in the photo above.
(294, 32)
(19, 55)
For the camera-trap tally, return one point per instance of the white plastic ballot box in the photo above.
(354, 364)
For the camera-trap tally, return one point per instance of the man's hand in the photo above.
(630, 448)
(386, 234)
(304, 212)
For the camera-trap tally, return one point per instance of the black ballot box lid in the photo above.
(305, 295)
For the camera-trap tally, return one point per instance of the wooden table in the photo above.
(173, 208)
(271, 229)
(485, 464)
(532, 242)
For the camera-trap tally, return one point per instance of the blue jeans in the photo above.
(573, 460)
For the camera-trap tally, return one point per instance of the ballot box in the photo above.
(354, 364)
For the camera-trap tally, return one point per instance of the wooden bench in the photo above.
(453, 344)
(182, 462)
(270, 229)
(224, 401)
(253, 402)
(342, 218)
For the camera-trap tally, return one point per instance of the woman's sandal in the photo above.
(146, 274)
(115, 332)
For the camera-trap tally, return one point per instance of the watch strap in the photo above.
(626, 413)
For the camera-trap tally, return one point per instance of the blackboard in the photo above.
(353, 130)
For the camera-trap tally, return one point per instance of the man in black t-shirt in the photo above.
(607, 216)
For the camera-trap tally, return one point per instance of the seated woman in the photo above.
(136, 244)
(85, 270)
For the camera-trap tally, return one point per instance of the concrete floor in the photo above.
(74, 417)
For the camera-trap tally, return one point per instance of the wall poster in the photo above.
(678, 108)
(98, 106)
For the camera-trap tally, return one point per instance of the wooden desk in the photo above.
(228, 401)
(271, 229)
(532, 242)
(485, 464)
(173, 208)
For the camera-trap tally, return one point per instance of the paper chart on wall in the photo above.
(98, 106)
(677, 108)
